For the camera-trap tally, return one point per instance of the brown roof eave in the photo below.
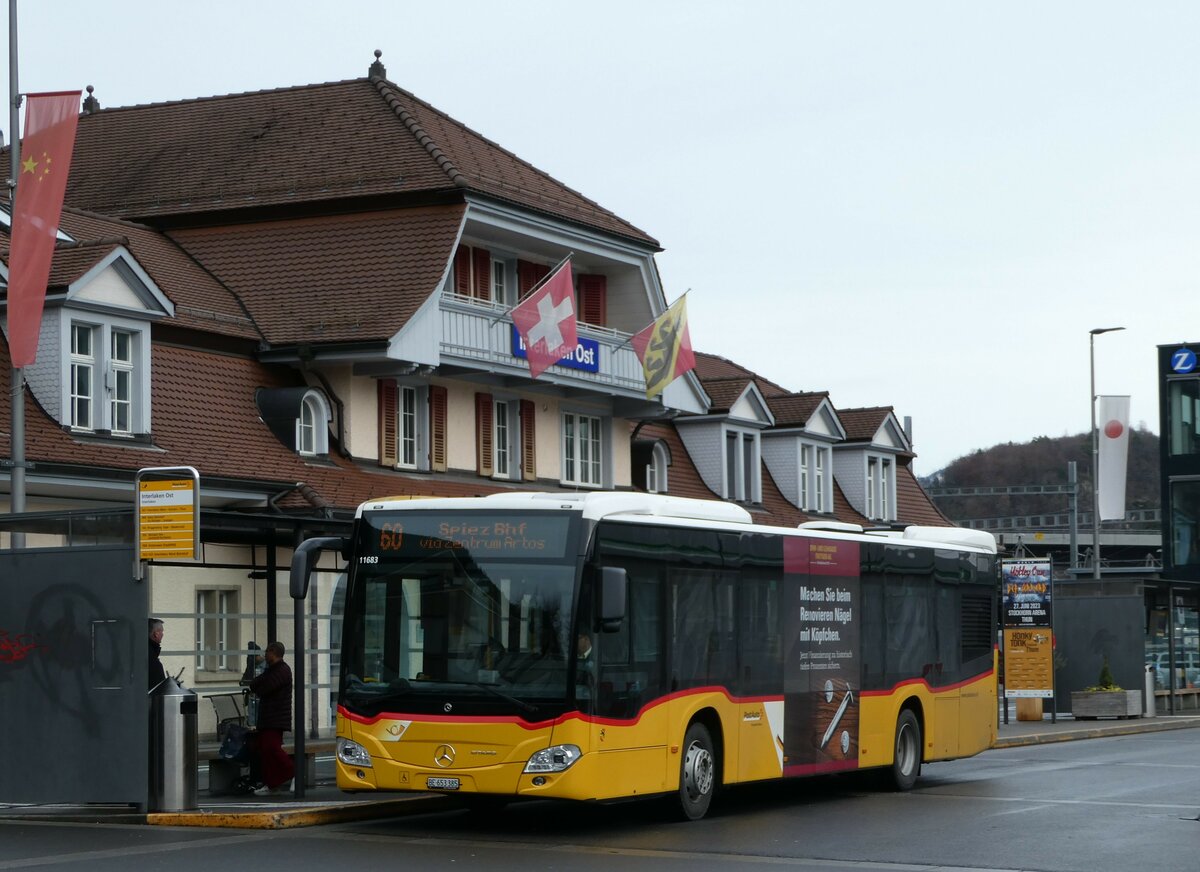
(220, 216)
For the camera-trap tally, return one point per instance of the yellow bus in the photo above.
(605, 646)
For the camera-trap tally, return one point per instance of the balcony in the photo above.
(473, 339)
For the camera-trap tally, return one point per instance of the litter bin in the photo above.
(172, 747)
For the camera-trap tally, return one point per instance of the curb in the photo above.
(1133, 727)
(307, 816)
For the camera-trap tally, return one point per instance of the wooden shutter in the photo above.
(483, 273)
(462, 271)
(388, 423)
(483, 434)
(593, 299)
(528, 275)
(528, 453)
(437, 428)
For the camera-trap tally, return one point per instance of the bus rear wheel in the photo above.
(697, 773)
(906, 763)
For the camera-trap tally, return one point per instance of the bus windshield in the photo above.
(465, 613)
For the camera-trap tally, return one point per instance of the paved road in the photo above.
(1102, 805)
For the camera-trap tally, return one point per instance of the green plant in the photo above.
(1105, 683)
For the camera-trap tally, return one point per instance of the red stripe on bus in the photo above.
(818, 768)
(935, 690)
(561, 719)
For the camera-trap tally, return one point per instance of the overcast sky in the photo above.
(916, 204)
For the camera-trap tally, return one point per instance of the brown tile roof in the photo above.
(724, 392)
(481, 165)
(308, 144)
(861, 425)
(201, 302)
(348, 278)
(72, 261)
(913, 505)
(794, 409)
(712, 366)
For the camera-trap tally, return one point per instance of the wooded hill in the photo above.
(1043, 461)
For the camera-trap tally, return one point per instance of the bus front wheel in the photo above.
(697, 773)
(906, 764)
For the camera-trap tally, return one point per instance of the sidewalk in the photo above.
(323, 803)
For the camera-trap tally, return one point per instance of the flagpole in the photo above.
(17, 437)
(532, 290)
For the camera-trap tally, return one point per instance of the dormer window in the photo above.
(298, 417)
(881, 488)
(656, 469)
(742, 481)
(105, 375)
(312, 430)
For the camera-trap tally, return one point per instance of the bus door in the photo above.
(617, 685)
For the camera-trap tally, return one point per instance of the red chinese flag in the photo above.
(50, 121)
(546, 321)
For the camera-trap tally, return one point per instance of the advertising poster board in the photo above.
(1027, 608)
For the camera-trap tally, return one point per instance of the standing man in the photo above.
(274, 691)
(157, 673)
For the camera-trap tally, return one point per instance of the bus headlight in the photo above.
(353, 754)
(556, 758)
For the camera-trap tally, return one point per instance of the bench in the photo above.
(1185, 698)
(223, 774)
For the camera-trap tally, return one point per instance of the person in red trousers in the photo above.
(274, 691)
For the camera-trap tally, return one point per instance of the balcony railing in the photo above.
(471, 336)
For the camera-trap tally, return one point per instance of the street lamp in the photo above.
(1092, 334)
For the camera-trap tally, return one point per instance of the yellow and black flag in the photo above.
(664, 347)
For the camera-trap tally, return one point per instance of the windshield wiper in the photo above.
(527, 707)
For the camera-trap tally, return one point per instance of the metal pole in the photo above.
(17, 438)
(1092, 334)
(1073, 481)
(1095, 462)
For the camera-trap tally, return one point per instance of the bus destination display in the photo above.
(483, 536)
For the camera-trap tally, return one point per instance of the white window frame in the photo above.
(805, 478)
(500, 281)
(880, 487)
(218, 630)
(412, 426)
(120, 386)
(104, 380)
(407, 426)
(583, 460)
(872, 486)
(741, 458)
(505, 447)
(656, 470)
(81, 369)
(312, 425)
(821, 478)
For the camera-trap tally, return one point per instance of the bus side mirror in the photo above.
(612, 598)
(304, 560)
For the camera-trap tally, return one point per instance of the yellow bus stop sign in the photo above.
(168, 514)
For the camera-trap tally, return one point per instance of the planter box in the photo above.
(1088, 704)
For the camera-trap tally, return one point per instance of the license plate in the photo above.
(441, 783)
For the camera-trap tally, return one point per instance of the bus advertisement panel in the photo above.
(821, 672)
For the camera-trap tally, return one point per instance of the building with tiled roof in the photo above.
(305, 293)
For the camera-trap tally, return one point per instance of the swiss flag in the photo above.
(546, 321)
(50, 121)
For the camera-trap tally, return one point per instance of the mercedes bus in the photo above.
(607, 646)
